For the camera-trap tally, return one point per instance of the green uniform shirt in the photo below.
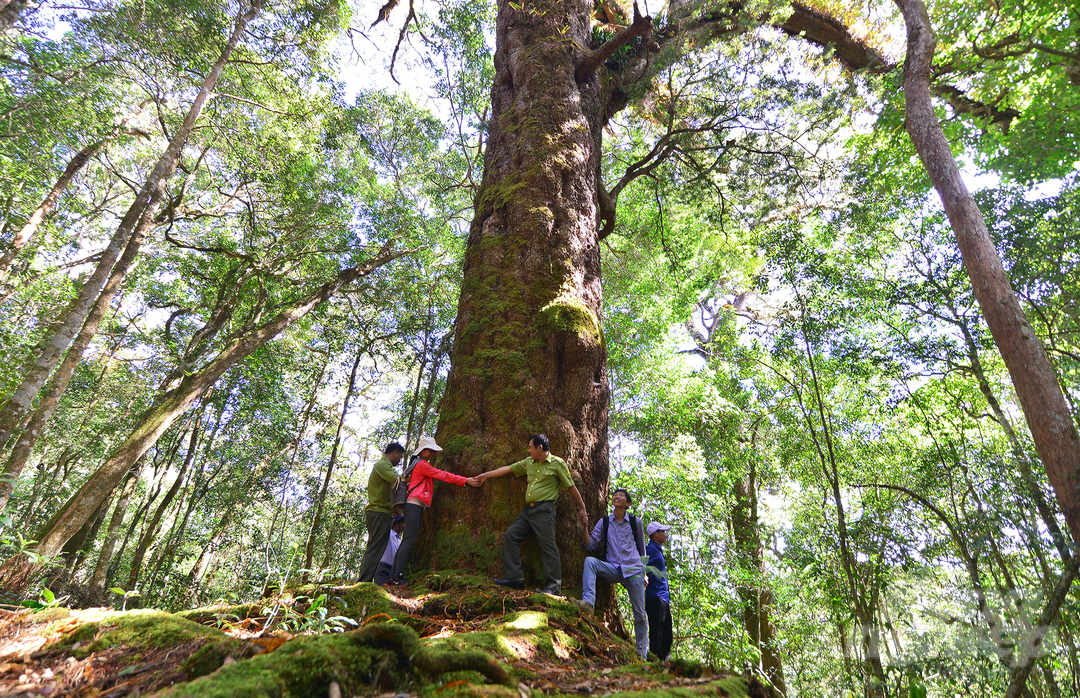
(382, 479)
(546, 477)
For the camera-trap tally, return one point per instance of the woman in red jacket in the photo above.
(421, 487)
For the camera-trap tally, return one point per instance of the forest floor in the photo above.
(448, 635)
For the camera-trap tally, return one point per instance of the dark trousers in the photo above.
(537, 519)
(414, 514)
(382, 575)
(659, 614)
(378, 533)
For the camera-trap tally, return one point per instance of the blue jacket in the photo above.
(657, 585)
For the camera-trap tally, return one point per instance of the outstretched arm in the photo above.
(498, 472)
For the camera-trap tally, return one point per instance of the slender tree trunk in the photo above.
(1033, 377)
(316, 520)
(77, 543)
(165, 547)
(756, 596)
(96, 587)
(24, 445)
(152, 526)
(415, 400)
(206, 557)
(17, 572)
(1027, 475)
(73, 167)
(433, 375)
(864, 609)
(43, 476)
(32, 224)
(529, 353)
(216, 538)
(146, 202)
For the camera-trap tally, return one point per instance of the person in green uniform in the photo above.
(547, 475)
(378, 512)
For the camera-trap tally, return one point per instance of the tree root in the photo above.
(307, 666)
(405, 642)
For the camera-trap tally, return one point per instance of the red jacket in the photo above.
(421, 484)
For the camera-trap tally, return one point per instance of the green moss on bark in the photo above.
(568, 314)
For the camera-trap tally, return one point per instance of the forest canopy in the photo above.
(723, 253)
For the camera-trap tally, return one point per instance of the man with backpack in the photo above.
(378, 514)
(618, 544)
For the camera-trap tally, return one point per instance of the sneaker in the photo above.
(585, 607)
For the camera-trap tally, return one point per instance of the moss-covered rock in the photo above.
(135, 629)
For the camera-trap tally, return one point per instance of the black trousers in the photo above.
(659, 614)
(414, 514)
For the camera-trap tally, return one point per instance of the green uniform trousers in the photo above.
(537, 519)
(378, 534)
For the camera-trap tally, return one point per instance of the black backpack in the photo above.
(399, 491)
(635, 526)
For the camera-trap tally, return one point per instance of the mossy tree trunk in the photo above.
(529, 355)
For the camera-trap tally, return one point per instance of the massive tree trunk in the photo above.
(1047, 413)
(17, 573)
(529, 353)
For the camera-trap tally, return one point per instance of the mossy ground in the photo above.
(449, 634)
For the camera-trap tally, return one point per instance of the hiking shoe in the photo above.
(585, 607)
(553, 589)
(397, 583)
(512, 583)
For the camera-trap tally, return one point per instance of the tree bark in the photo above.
(529, 353)
(10, 10)
(146, 202)
(1045, 409)
(17, 572)
(24, 445)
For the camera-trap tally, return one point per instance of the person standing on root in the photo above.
(378, 514)
(421, 489)
(619, 543)
(547, 475)
(657, 598)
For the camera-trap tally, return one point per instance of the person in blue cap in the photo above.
(657, 597)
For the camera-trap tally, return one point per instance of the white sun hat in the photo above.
(426, 442)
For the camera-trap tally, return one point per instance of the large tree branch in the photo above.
(690, 20)
(641, 26)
